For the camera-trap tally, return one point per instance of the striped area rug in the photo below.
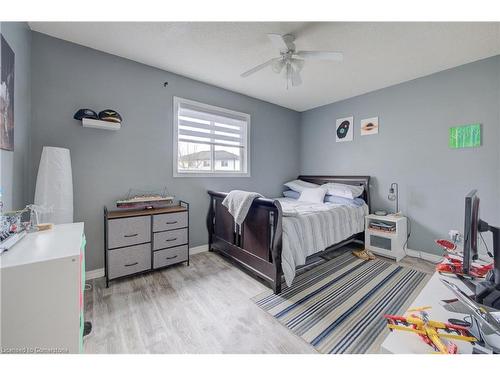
(338, 306)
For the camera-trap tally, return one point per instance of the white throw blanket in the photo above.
(238, 202)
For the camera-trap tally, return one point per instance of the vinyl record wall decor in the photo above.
(344, 129)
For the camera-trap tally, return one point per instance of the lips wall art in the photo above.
(369, 126)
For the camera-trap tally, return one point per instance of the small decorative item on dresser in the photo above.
(146, 200)
(139, 241)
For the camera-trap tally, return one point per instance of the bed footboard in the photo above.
(256, 244)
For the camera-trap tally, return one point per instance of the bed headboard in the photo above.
(348, 180)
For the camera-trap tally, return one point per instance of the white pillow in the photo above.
(343, 190)
(312, 195)
(299, 185)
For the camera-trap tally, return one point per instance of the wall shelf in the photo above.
(99, 124)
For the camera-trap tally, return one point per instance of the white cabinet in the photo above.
(386, 243)
(42, 282)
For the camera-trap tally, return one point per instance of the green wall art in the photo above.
(465, 136)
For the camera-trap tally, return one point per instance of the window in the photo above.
(210, 141)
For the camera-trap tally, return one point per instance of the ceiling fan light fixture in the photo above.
(278, 66)
(291, 75)
(297, 64)
(291, 62)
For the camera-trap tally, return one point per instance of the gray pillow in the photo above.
(291, 194)
(356, 202)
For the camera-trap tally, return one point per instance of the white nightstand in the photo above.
(388, 244)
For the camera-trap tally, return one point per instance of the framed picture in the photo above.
(6, 96)
(465, 136)
(369, 126)
(343, 129)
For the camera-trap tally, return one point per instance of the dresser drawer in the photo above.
(170, 238)
(162, 258)
(170, 221)
(129, 231)
(129, 260)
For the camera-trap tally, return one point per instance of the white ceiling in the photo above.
(376, 55)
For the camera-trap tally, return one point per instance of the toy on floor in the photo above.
(364, 254)
(430, 331)
(446, 245)
(453, 261)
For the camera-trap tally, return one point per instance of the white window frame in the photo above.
(175, 137)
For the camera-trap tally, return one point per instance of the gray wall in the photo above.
(106, 164)
(14, 164)
(412, 146)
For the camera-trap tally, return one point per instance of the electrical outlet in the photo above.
(455, 235)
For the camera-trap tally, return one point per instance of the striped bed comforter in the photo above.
(311, 228)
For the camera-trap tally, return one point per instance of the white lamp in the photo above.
(54, 186)
(394, 196)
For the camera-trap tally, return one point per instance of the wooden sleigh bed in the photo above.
(257, 243)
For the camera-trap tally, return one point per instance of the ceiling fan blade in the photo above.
(279, 42)
(259, 67)
(320, 55)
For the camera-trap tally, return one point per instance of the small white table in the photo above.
(387, 244)
(434, 292)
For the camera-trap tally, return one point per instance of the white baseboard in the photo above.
(411, 253)
(95, 274)
(198, 249)
(433, 258)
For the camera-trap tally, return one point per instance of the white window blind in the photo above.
(209, 140)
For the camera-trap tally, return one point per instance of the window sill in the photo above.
(204, 175)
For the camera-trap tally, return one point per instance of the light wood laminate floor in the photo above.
(203, 308)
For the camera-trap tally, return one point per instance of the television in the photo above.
(470, 230)
(487, 291)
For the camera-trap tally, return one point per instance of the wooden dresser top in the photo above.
(153, 211)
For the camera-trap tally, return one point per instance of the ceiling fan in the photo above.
(291, 61)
